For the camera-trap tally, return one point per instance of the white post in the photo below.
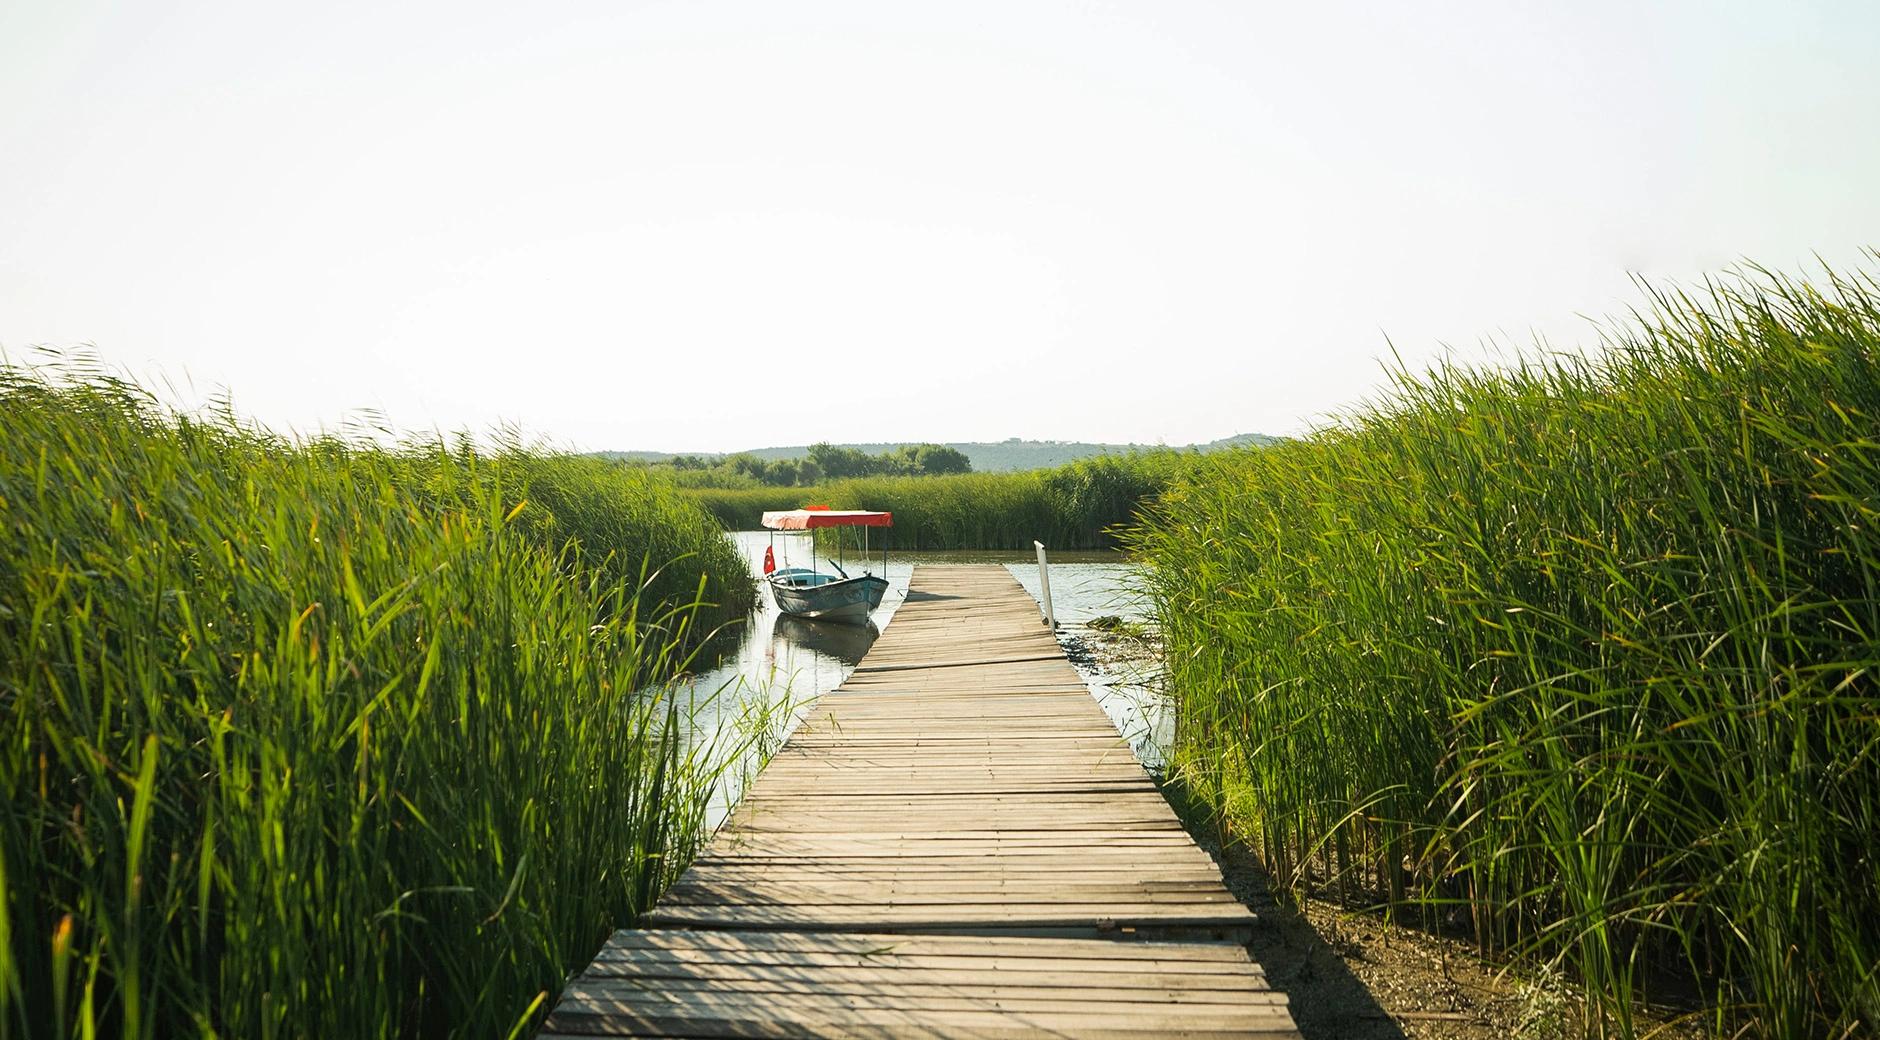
(1044, 586)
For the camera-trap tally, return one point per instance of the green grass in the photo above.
(1583, 652)
(319, 739)
(1079, 506)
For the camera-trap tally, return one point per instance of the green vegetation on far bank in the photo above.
(316, 739)
(1079, 506)
(823, 462)
(1582, 654)
(1011, 455)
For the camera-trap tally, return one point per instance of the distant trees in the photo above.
(837, 463)
(909, 460)
(793, 473)
(936, 459)
(773, 473)
(824, 462)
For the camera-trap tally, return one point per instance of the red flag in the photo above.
(770, 560)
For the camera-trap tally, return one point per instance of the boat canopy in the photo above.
(805, 519)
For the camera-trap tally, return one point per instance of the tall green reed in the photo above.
(1580, 651)
(316, 739)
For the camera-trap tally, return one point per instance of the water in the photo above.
(776, 654)
(771, 669)
(1124, 673)
(767, 672)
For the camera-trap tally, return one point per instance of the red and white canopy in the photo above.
(806, 519)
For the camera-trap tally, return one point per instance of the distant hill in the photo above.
(987, 456)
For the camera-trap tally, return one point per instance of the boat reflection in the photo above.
(846, 642)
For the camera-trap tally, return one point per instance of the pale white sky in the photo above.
(725, 225)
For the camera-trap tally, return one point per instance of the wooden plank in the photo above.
(961, 969)
(604, 1014)
(955, 843)
(1202, 1002)
(987, 987)
(878, 947)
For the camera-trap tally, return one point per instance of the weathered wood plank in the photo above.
(955, 843)
(885, 947)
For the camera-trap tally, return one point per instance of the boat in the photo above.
(809, 593)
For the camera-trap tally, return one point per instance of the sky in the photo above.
(719, 225)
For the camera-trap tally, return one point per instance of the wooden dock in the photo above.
(955, 843)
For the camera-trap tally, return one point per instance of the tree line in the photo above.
(825, 461)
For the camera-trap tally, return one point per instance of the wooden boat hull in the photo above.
(848, 599)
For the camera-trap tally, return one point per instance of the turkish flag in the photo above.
(770, 559)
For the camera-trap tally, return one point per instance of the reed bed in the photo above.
(321, 739)
(1079, 506)
(1580, 654)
